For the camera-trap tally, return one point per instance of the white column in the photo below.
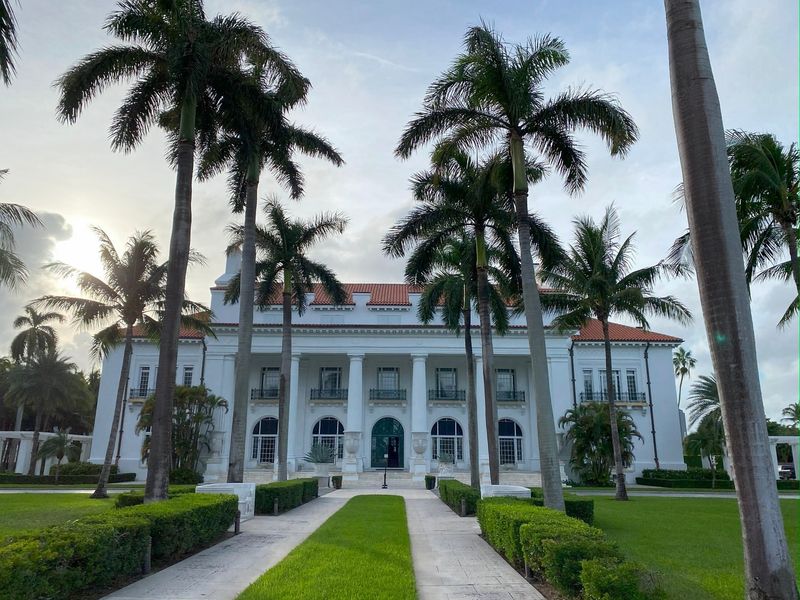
(219, 379)
(483, 444)
(352, 462)
(294, 418)
(419, 416)
(773, 451)
(796, 458)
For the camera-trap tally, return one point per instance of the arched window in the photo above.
(447, 438)
(265, 440)
(328, 431)
(510, 442)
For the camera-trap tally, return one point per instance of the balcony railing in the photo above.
(509, 396)
(619, 398)
(451, 395)
(377, 394)
(141, 393)
(329, 394)
(264, 394)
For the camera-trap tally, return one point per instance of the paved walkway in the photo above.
(451, 560)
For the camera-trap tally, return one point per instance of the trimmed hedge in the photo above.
(690, 474)
(726, 484)
(137, 497)
(185, 477)
(574, 506)
(82, 468)
(452, 491)
(556, 547)
(289, 494)
(95, 552)
(64, 479)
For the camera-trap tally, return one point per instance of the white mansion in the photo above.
(368, 379)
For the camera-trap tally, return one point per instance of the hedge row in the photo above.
(571, 555)
(289, 494)
(82, 468)
(725, 484)
(63, 479)
(452, 491)
(92, 553)
(574, 506)
(691, 474)
(137, 497)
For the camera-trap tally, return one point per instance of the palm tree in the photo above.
(596, 280)
(791, 414)
(682, 363)
(38, 335)
(458, 196)
(185, 63)
(283, 244)
(450, 279)
(494, 93)
(132, 294)
(704, 400)
(254, 136)
(707, 440)
(45, 383)
(12, 270)
(59, 446)
(710, 206)
(8, 41)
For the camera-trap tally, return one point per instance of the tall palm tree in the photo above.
(596, 279)
(682, 363)
(791, 414)
(38, 335)
(8, 41)
(253, 137)
(284, 244)
(45, 383)
(182, 62)
(12, 270)
(131, 294)
(58, 447)
(493, 93)
(707, 440)
(450, 279)
(716, 245)
(704, 400)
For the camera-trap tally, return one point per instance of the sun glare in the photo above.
(79, 251)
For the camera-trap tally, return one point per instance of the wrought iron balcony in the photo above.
(509, 396)
(447, 395)
(377, 394)
(141, 393)
(264, 394)
(329, 394)
(637, 398)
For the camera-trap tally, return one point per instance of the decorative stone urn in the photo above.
(419, 466)
(350, 444)
(420, 444)
(352, 441)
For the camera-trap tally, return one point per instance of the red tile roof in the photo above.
(593, 332)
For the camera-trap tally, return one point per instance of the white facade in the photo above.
(369, 379)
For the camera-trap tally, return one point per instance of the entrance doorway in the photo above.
(387, 440)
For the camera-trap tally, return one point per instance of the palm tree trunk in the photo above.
(37, 427)
(794, 262)
(619, 469)
(247, 281)
(716, 245)
(285, 378)
(534, 320)
(160, 460)
(680, 389)
(58, 470)
(472, 400)
(124, 373)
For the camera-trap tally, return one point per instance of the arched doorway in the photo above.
(387, 441)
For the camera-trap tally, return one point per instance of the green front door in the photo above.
(387, 444)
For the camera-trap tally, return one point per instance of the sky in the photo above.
(369, 63)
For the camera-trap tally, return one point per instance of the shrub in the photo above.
(185, 476)
(336, 480)
(690, 474)
(452, 491)
(430, 482)
(686, 483)
(186, 522)
(82, 468)
(289, 494)
(547, 524)
(788, 484)
(574, 506)
(500, 520)
(137, 497)
(562, 559)
(14, 478)
(604, 579)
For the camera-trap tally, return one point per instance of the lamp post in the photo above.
(385, 466)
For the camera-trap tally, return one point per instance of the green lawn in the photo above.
(693, 543)
(20, 512)
(362, 551)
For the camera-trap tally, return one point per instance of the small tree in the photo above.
(192, 424)
(707, 441)
(60, 446)
(682, 363)
(791, 414)
(588, 428)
